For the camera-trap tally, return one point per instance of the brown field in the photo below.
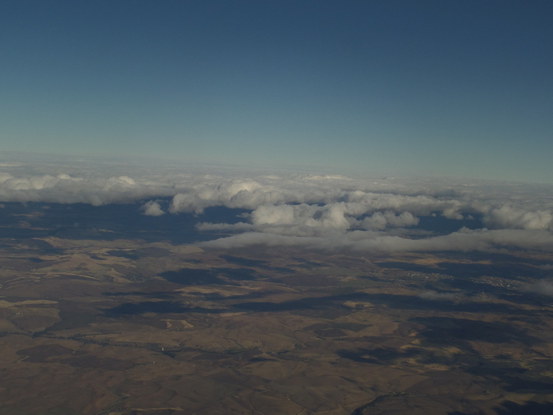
(127, 327)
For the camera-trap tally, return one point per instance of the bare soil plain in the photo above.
(134, 327)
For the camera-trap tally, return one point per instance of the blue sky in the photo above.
(447, 88)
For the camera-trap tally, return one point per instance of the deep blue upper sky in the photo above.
(444, 87)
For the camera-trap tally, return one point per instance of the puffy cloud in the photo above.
(64, 188)
(234, 193)
(508, 216)
(382, 220)
(302, 218)
(152, 208)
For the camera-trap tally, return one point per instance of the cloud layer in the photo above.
(317, 211)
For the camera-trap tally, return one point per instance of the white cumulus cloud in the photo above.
(152, 208)
(508, 216)
(319, 211)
